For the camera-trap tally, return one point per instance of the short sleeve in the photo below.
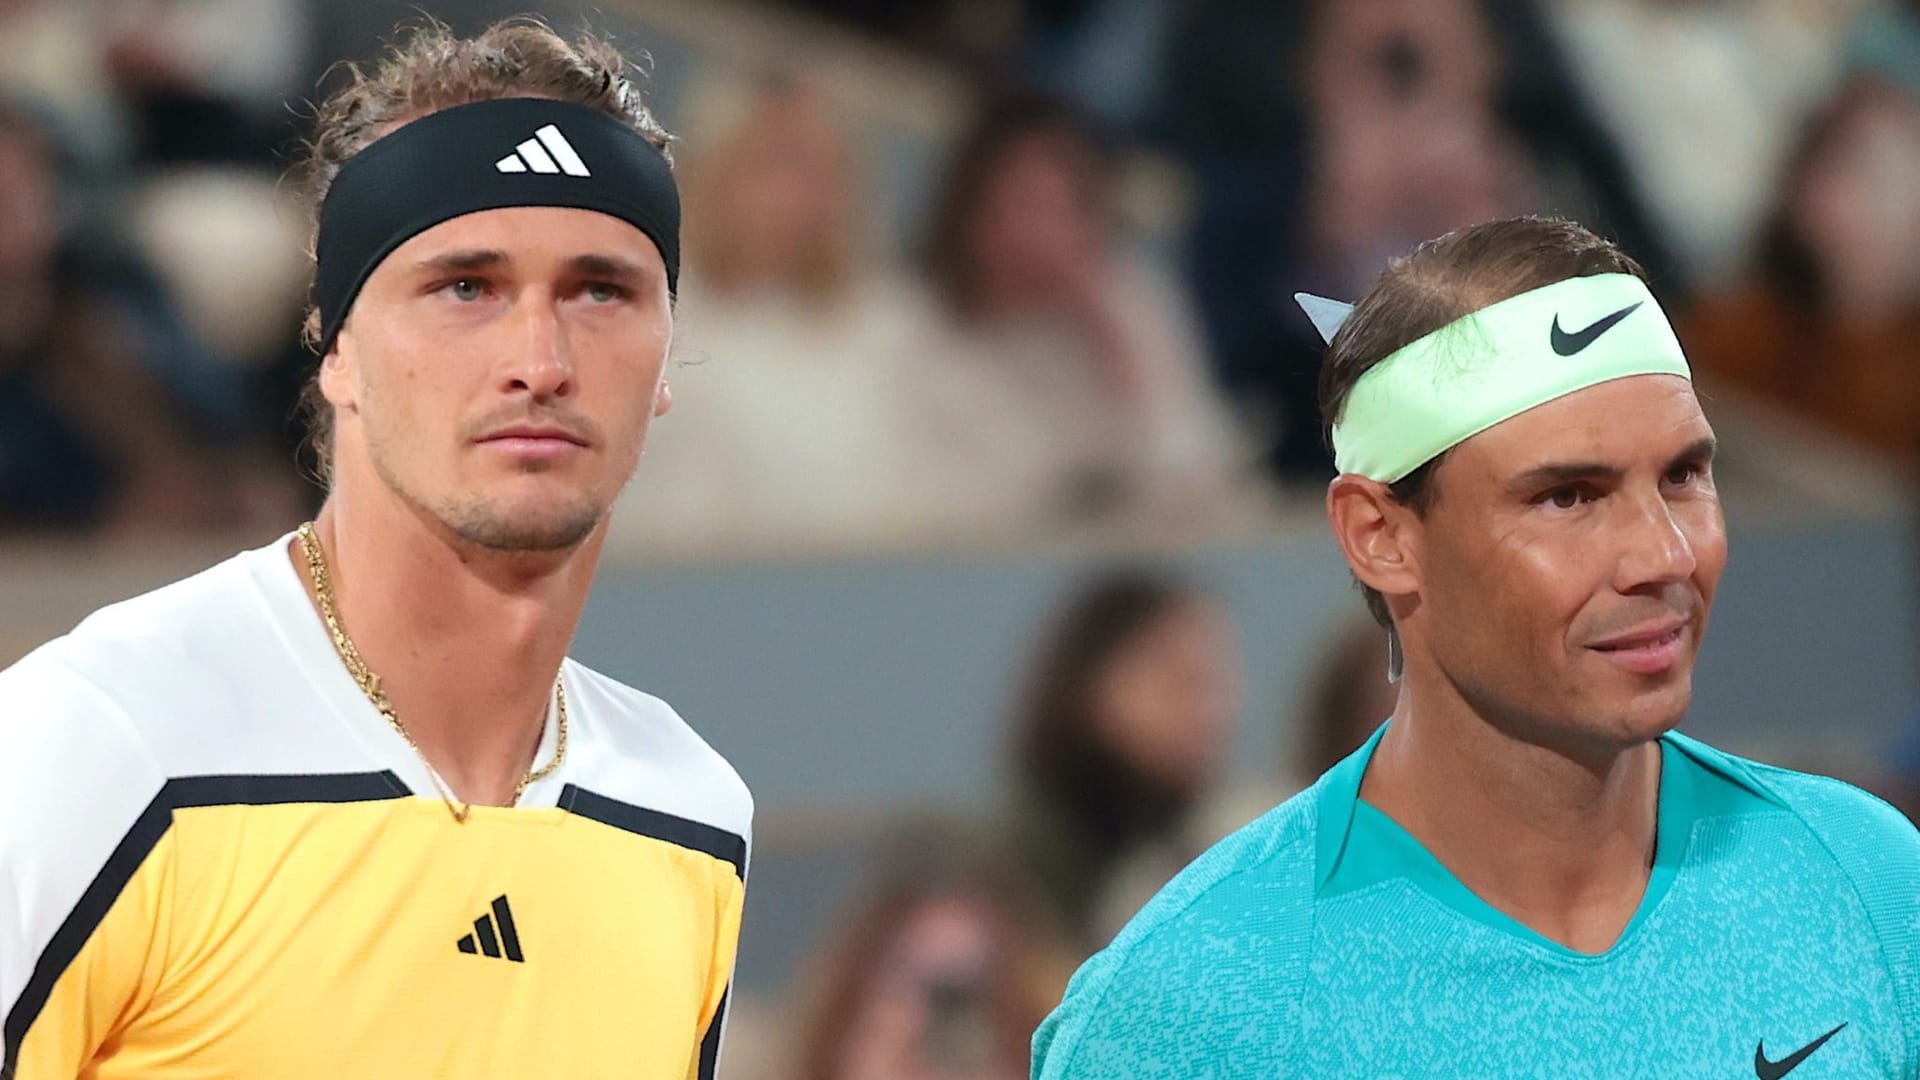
(84, 873)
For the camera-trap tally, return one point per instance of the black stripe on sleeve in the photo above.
(681, 832)
(710, 1046)
(139, 842)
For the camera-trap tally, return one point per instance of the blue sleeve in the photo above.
(1878, 850)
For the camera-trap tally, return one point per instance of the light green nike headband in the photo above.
(1494, 364)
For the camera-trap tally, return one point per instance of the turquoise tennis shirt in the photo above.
(1779, 934)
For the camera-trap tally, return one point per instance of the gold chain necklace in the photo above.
(370, 683)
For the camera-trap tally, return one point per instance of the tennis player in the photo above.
(341, 807)
(1526, 872)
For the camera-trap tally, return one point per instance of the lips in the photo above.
(1641, 636)
(1646, 650)
(532, 432)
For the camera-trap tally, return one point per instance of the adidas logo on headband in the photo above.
(547, 152)
(448, 163)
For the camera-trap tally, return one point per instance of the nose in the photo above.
(1656, 549)
(538, 360)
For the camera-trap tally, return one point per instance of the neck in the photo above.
(466, 641)
(1562, 841)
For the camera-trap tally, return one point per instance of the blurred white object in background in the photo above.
(230, 246)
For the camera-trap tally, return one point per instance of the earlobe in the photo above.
(662, 399)
(336, 379)
(1376, 534)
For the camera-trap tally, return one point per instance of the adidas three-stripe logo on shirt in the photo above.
(484, 940)
(547, 152)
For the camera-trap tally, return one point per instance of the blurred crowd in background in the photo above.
(1075, 321)
(1083, 323)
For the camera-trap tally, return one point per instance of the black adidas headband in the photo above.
(484, 156)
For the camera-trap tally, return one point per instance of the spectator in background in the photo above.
(1828, 320)
(788, 425)
(161, 81)
(1071, 385)
(1703, 99)
(1409, 142)
(942, 974)
(169, 113)
(208, 80)
(1325, 135)
(89, 435)
(1127, 721)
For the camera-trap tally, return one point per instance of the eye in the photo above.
(1682, 475)
(466, 290)
(1565, 498)
(601, 292)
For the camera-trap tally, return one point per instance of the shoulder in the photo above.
(1874, 847)
(60, 728)
(1848, 822)
(146, 647)
(205, 672)
(1225, 942)
(1873, 843)
(649, 756)
(111, 670)
(107, 712)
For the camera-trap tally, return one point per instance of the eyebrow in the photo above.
(609, 267)
(1558, 474)
(463, 261)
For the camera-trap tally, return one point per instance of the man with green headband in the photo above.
(1526, 871)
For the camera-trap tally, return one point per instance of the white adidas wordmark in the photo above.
(547, 152)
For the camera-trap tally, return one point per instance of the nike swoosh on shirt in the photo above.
(1774, 1070)
(1568, 344)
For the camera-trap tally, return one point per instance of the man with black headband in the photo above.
(1526, 872)
(341, 807)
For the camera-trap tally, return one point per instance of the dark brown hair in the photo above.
(1061, 759)
(1438, 282)
(1000, 127)
(1787, 266)
(428, 69)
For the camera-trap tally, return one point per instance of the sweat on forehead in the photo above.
(486, 156)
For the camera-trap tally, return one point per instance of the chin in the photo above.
(1650, 714)
(531, 525)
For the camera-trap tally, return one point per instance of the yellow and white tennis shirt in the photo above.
(217, 860)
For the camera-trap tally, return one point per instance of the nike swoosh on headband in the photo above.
(1569, 344)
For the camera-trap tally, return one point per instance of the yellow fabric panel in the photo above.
(728, 905)
(319, 940)
(111, 980)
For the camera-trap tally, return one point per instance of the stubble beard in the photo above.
(488, 525)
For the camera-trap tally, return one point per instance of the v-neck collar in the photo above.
(1358, 845)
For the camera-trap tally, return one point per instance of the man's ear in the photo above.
(662, 399)
(337, 382)
(1379, 537)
